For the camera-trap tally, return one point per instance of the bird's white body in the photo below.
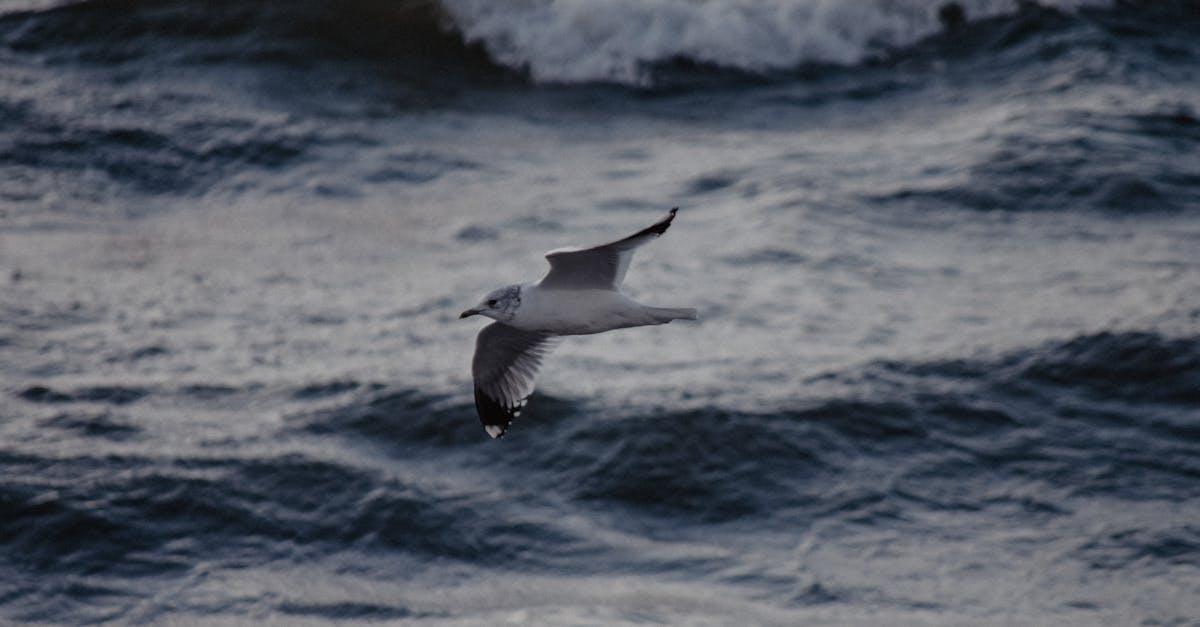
(585, 311)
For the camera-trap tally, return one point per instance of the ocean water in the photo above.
(947, 370)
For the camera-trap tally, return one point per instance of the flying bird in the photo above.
(580, 295)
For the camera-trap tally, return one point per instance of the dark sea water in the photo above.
(947, 370)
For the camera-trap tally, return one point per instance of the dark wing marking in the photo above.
(599, 267)
(504, 367)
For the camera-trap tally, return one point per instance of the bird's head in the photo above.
(498, 305)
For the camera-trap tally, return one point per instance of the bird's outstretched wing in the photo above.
(504, 367)
(599, 267)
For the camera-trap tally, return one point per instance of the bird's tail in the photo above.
(663, 315)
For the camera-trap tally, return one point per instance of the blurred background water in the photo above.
(946, 258)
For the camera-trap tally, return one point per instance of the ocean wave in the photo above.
(1076, 158)
(114, 395)
(183, 509)
(151, 152)
(440, 42)
(435, 47)
(92, 425)
(1032, 435)
(1136, 367)
(293, 34)
(1043, 415)
(618, 41)
(1123, 547)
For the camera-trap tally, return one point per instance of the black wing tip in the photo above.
(496, 417)
(661, 226)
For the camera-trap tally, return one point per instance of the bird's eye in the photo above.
(492, 303)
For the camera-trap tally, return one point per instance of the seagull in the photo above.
(580, 295)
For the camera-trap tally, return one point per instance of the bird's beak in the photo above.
(468, 313)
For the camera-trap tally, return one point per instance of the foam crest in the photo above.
(572, 41)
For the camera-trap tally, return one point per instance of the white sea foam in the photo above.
(572, 41)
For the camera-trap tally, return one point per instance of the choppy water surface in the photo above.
(947, 371)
